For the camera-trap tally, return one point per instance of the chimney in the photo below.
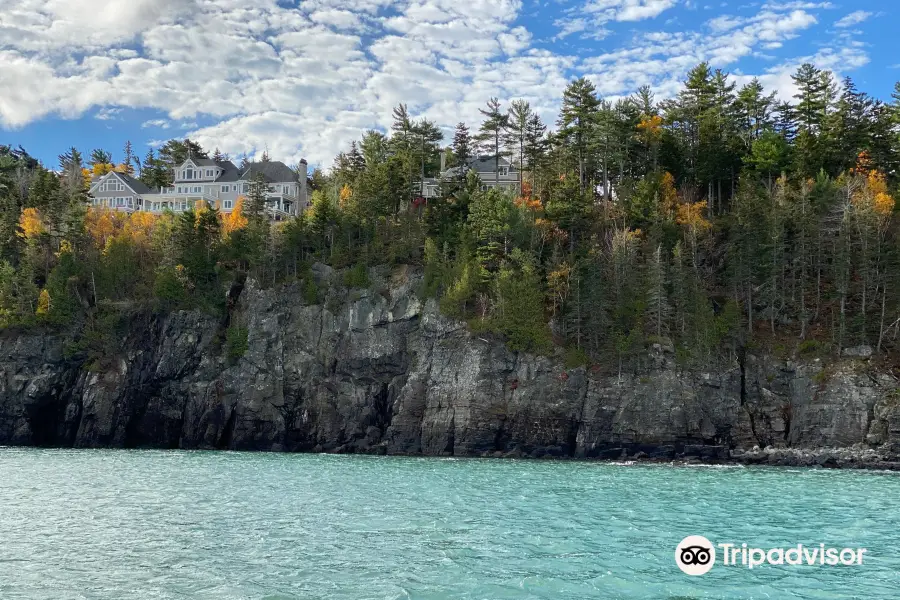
(302, 175)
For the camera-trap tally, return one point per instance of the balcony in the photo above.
(172, 193)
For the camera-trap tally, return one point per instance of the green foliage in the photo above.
(519, 314)
(576, 357)
(357, 277)
(310, 291)
(236, 342)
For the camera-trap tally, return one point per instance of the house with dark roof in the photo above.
(220, 183)
(505, 171)
(118, 191)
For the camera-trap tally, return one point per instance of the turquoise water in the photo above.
(121, 525)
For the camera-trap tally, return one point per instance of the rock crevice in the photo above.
(387, 373)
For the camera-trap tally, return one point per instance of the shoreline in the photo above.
(847, 458)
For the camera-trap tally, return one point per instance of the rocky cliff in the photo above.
(381, 372)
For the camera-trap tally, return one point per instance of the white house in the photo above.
(219, 183)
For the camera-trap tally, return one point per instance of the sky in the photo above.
(302, 79)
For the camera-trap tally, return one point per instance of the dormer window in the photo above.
(188, 173)
(209, 173)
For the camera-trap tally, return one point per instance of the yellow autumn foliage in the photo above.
(139, 226)
(101, 169)
(873, 195)
(43, 305)
(345, 195)
(31, 224)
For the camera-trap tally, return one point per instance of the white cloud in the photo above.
(797, 5)
(854, 18)
(590, 18)
(661, 59)
(304, 81)
(156, 123)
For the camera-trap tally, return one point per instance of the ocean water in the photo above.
(122, 525)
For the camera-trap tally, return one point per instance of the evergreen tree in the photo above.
(516, 136)
(490, 135)
(100, 157)
(577, 122)
(462, 147)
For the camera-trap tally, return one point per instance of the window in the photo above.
(112, 185)
(189, 174)
(179, 189)
(484, 188)
(209, 173)
(504, 171)
(140, 202)
(228, 204)
(224, 189)
(197, 189)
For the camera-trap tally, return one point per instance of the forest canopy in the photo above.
(707, 222)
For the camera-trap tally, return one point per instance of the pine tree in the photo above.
(100, 157)
(658, 310)
(516, 137)
(462, 147)
(255, 208)
(129, 160)
(490, 135)
(577, 122)
(754, 110)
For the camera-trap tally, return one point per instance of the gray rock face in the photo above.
(381, 372)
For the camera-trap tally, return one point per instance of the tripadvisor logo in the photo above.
(696, 555)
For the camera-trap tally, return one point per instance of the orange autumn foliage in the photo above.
(235, 219)
(668, 197)
(651, 127)
(691, 216)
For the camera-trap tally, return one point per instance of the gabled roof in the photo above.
(273, 171)
(485, 164)
(200, 162)
(137, 186)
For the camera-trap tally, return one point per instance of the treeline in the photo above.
(707, 222)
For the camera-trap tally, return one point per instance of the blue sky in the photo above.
(303, 79)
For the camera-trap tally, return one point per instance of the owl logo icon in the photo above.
(695, 555)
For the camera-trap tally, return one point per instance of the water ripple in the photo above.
(123, 525)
